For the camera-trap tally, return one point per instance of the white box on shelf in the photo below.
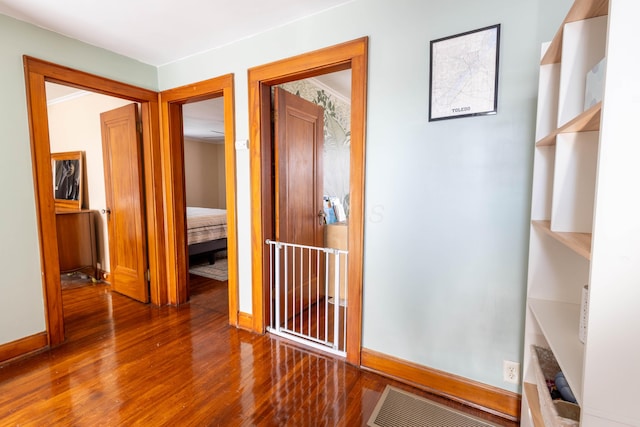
(583, 45)
(574, 182)
(594, 84)
(548, 91)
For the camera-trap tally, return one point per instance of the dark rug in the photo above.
(217, 271)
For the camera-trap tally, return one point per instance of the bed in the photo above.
(206, 231)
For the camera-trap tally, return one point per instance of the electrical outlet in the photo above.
(510, 372)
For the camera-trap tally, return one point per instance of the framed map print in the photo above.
(463, 78)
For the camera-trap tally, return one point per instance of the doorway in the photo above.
(172, 103)
(102, 130)
(350, 55)
(205, 191)
(39, 72)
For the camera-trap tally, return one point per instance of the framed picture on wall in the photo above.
(67, 180)
(463, 79)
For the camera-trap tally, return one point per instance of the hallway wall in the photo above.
(447, 203)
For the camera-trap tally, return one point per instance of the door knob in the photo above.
(106, 211)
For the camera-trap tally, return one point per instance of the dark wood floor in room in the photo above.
(125, 363)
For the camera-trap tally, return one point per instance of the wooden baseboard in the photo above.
(23, 346)
(490, 399)
(245, 321)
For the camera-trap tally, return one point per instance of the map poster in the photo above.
(464, 74)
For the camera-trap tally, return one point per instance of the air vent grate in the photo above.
(398, 408)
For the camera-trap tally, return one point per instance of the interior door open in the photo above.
(121, 147)
(298, 143)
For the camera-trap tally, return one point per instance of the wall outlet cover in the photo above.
(511, 371)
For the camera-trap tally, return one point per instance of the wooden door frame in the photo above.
(37, 72)
(171, 102)
(350, 55)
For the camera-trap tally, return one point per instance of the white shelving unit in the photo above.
(585, 214)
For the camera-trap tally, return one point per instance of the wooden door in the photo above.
(299, 137)
(124, 194)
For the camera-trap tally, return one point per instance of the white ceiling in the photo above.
(204, 120)
(158, 32)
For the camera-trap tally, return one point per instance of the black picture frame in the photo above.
(463, 74)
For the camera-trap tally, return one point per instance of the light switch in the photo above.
(242, 144)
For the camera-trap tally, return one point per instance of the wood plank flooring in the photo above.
(126, 363)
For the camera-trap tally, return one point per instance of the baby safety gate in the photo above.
(308, 295)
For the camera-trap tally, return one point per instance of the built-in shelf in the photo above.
(580, 10)
(584, 169)
(580, 243)
(531, 393)
(588, 121)
(559, 322)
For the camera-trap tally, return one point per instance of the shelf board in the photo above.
(587, 121)
(581, 9)
(531, 392)
(580, 243)
(559, 322)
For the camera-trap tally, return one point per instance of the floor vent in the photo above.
(398, 408)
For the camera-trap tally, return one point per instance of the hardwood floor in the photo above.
(125, 363)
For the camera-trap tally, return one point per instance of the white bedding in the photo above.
(204, 224)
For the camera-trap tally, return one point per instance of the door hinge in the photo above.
(139, 127)
(147, 275)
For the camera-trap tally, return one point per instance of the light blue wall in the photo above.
(447, 233)
(21, 298)
(447, 203)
